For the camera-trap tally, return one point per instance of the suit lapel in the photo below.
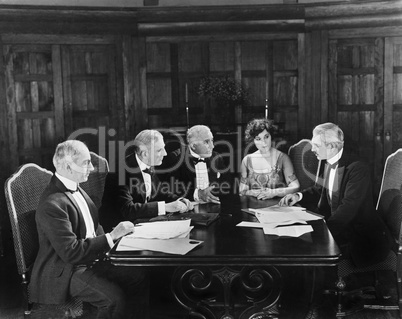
(337, 186)
(133, 164)
(83, 229)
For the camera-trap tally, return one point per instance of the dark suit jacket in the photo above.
(62, 243)
(125, 199)
(181, 172)
(351, 217)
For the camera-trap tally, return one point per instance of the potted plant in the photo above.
(227, 94)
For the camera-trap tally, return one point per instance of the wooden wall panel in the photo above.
(159, 93)
(30, 69)
(191, 57)
(90, 92)
(285, 88)
(393, 95)
(358, 74)
(158, 57)
(253, 55)
(221, 56)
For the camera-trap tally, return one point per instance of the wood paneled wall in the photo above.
(128, 71)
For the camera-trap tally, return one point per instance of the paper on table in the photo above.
(291, 231)
(179, 246)
(271, 225)
(281, 215)
(162, 229)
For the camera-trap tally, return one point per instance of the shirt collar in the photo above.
(335, 158)
(141, 164)
(68, 183)
(193, 154)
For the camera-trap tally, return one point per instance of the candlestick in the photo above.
(266, 108)
(186, 93)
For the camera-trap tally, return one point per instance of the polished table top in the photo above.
(225, 243)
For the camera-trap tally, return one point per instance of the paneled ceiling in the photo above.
(194, 17)
(155, 3)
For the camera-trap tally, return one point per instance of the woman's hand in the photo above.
(266, 193)
(253, 192)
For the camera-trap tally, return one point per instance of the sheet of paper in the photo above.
(282, 215)
(277, 208)
(162, 229)
(178, 246)
(250, 224)
(290, 231)
(271, 225)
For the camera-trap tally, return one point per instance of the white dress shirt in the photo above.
(201, 175)
(332, 172)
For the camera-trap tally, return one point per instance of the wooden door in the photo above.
(34, 103)
(392, 133)
(356, 86)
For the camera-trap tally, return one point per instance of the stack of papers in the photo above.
(166, 236)
(282, 221)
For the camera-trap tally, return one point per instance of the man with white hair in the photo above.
(72, 246)
(198, 168)
(344, 197)
(140, 194)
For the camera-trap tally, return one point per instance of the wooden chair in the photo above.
(304, 162)
(389, 206)
(95, 185)
(23, 190)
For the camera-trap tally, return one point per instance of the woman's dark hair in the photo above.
(256, 126)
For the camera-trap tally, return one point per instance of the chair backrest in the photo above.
(389, 204)
(23, 190)
(304, 162)
(95, 185)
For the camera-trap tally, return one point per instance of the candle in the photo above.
(188, 123)
(266, 97)
(186, 93)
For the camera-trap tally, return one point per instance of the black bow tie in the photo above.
(149, 171)
(332, 166)
(197, 160)
(72, 191)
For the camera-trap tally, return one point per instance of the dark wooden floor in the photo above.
(294, 301)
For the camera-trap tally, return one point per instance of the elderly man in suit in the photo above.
(135, 192)
(345, 199)
(198, 168)
(72, 245)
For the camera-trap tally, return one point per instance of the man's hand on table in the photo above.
(289, 200)
(206, 195)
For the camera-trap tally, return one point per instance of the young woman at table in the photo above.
(268, 172)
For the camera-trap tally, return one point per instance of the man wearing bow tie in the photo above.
(136, 192)
(197, 167)
(343, 196)
(72, 246)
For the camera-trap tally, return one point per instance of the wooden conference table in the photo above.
(232, 274)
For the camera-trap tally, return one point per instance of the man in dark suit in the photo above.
(343, 195)
(135, 191)
(344, 198)
(72, 245)
(198, 169)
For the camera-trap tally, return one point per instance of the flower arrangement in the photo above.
(224, 90)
